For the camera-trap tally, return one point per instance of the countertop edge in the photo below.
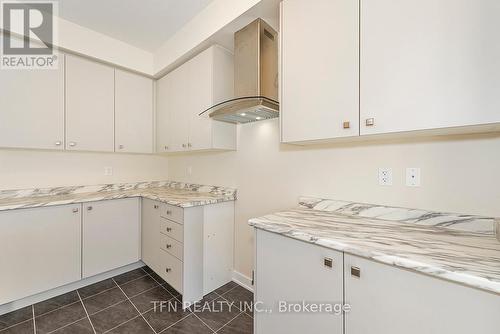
(466, 280)
(103, 197)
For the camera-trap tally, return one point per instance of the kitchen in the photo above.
(376, 160)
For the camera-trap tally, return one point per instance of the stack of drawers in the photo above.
(171, 245)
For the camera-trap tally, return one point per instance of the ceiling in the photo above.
(146, 24)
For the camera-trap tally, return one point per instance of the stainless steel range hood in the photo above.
(255, 77)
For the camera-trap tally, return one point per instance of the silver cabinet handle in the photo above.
(72, 143)
(328, 262)
(89, 208)
(156, 206)
(189, 145)
(75, 210)
(184, 145)
(370, 122)
(169, 246)
(167, 270)
(58, 143)
(166, 148)
(355, 272)
(169, 229)
(169, 212)
(120, 147)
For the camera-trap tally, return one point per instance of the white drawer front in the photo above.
(173, 230)
(171, 246)
(171, 270)
(173, 213)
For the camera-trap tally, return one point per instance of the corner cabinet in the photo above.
(319, 69)
(133, 113)
(183, 94)
(111, 235)
(40, 249)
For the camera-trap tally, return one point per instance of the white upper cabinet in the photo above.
(319, 69)
(133, 113)
(184, 93)
(428, 64)
(32, 108)
(89, 105)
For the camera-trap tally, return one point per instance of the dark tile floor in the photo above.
(124, 304)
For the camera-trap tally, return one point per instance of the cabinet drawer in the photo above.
(171, 246)
(173, 213)
(171, 270)
(172, 229)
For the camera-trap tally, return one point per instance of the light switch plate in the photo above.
(385, 176)
(413, 177)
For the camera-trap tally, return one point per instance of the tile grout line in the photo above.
(123, 323)
(57, 309)
(203, 322)
(14, 325)
(229, 321)
(71, 323)
(175, 323)
(34, 321)
(87, 313)
(134, 305)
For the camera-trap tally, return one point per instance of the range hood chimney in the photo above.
(255, 76)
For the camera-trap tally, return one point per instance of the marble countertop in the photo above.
(465, 257)
(174, 193)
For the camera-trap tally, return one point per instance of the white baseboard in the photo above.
(242, 280)
(18, 304)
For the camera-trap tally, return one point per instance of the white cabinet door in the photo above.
(111, 235)
(179, 105)
(133, 113)
(319, 69)
(429, 64)
(32, 108)
(200, 71)
(40, 250)
(293, 271)
(151, 234)
(89, 105)
(389, 300)
(163, 113)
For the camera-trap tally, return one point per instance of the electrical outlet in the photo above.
(413, 177)
(108, 171)
(385, 176)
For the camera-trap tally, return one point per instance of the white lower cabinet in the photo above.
(379, 298)
(190, 248)
(111, 235)
(40, 249)
(293, 271)
(389, 300)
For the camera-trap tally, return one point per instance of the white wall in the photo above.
(459, 174)
(32, 168)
